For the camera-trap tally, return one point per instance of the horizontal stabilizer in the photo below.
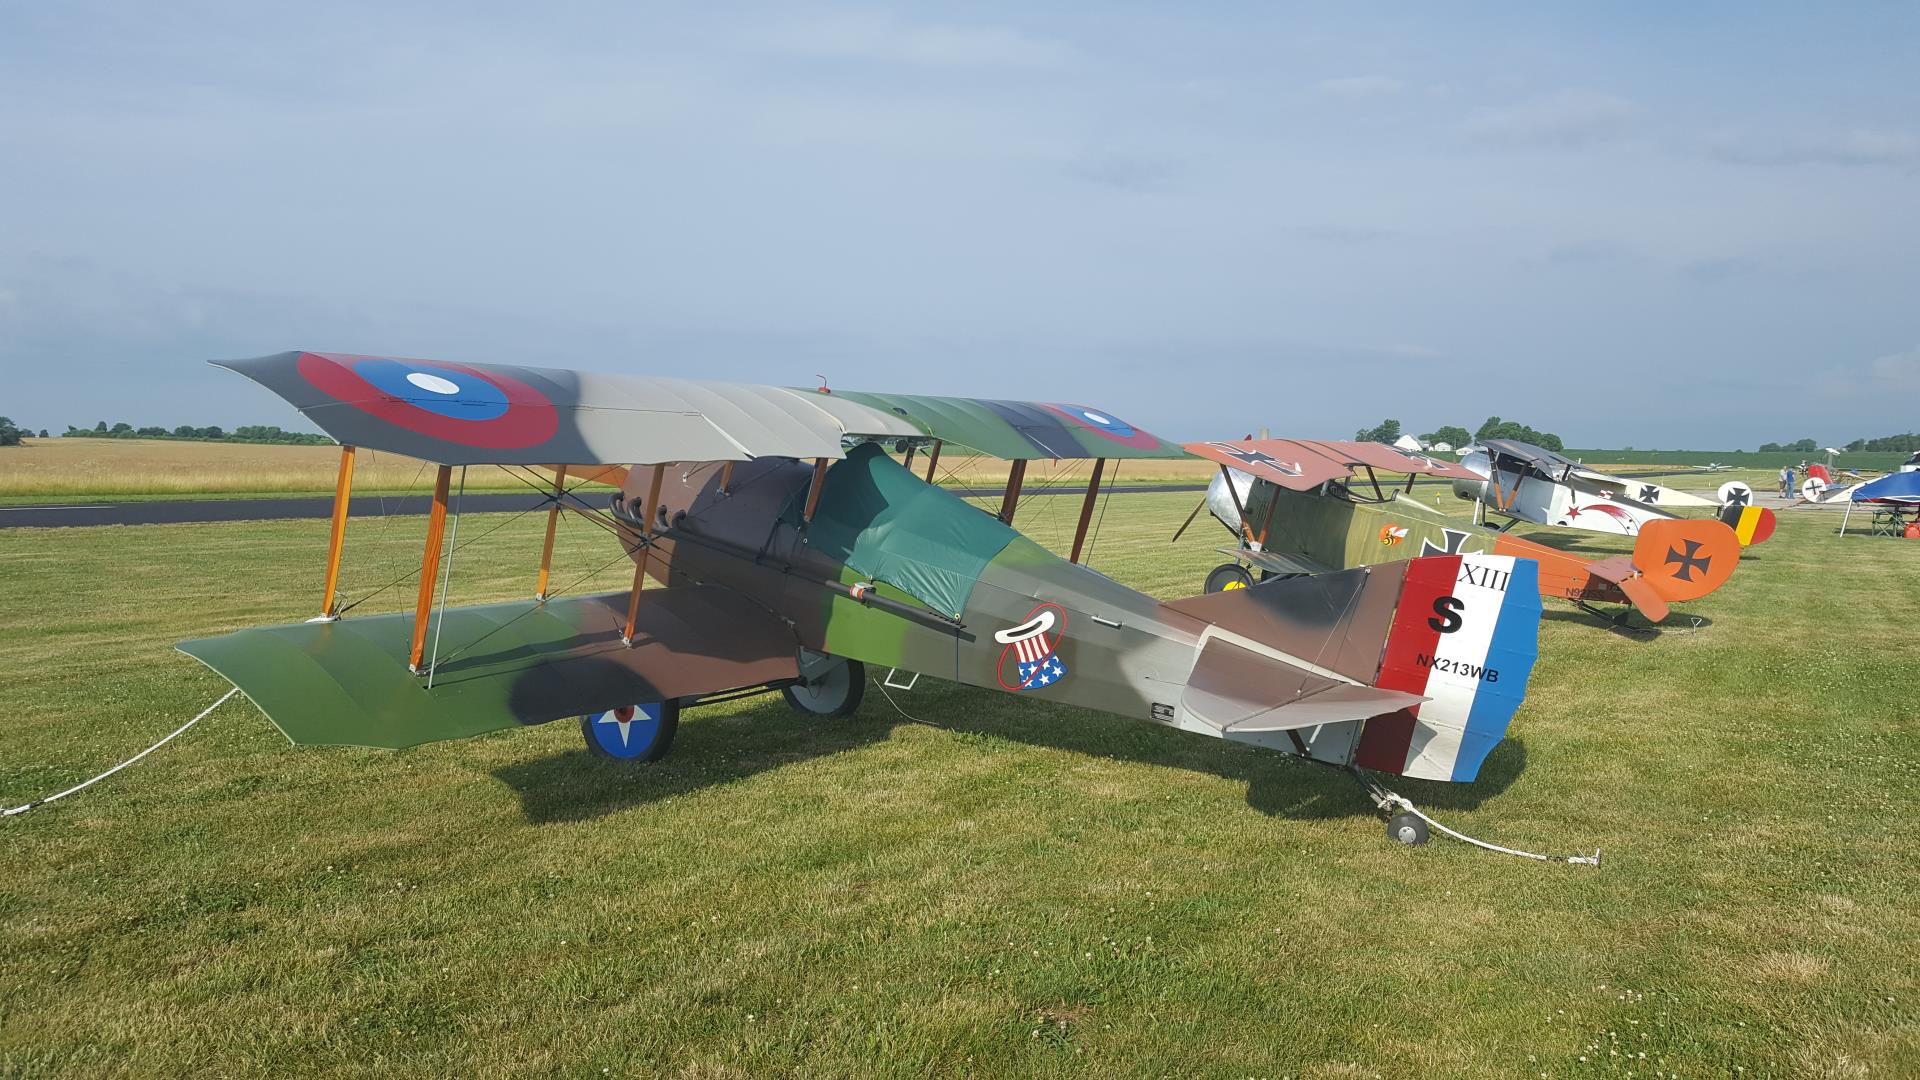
(346, 683)
(1235, 689)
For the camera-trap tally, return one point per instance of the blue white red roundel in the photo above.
(454, 402)
(626, 732)
(1105, 425)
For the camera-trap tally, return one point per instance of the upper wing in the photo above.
(1018, 429)
(345, 683)
(1305, 464)
(469, 414)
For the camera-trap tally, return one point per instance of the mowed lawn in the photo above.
(1002, 887)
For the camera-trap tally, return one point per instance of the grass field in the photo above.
(1005, 888)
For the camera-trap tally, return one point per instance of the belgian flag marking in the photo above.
(1752, 524)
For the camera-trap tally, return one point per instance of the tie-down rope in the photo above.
(176, 731)
(1389, 800)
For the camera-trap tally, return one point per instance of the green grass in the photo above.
(1009, 888)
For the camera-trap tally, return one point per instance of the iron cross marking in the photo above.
(1246, 455)
(1454, 537)
(1738, 497)
(1688, 563)
(1649, 493)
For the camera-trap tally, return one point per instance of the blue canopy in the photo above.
(1900, 486)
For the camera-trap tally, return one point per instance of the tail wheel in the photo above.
(1407, 829)
(829, 686)
(1228, 576)
(636, 733)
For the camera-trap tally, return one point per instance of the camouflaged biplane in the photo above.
(1301, 506)
(783, 547)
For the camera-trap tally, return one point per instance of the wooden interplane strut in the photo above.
(640, 564)
(813, 489)
(1086, 509)
(430, 566)
(553, 520)
(336, 542)
(1016, 477)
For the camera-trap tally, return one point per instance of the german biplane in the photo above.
(1524, 482)
(779, 546)
(1300, 506)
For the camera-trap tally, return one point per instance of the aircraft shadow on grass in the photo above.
(1678, 623)
(708, 752)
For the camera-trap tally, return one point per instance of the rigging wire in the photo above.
(446, 579)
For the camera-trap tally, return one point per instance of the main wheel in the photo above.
(1407, 829)
(1228, 576)
(636, 733)
(828, 686)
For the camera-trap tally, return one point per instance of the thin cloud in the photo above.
(1567, 120)
(1853, 147)
(889, 40)
(1898, 371)
(1358, 86)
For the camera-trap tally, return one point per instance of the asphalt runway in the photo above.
(201, 511)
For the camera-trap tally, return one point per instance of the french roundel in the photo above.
(1105, 425)
(442, 400)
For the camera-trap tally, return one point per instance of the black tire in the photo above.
(835, 692)
(662, 739)
(1407, 829)
(1228, 576)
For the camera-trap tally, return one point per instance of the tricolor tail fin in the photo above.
(1464, 635)
(1750, 524)
(1685, 558)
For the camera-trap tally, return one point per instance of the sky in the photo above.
(1649, 225)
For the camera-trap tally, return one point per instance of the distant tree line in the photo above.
(1804, 446)
(9, 434)
(1494, 428)
(246, 433)
(1899, 444)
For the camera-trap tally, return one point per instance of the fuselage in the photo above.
(1028, 621)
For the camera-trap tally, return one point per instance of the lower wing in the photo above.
(346, 683)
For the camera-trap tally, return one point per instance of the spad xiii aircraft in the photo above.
(1524, 482)
(788, 550)
(1299, 506)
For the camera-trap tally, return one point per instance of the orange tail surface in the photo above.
(1686, 558)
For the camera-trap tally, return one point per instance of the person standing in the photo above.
(1788, 471)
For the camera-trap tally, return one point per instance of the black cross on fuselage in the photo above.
(1688, 563)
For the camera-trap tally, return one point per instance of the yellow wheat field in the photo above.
(63, 468)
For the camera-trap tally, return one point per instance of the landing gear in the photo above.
(1228, 576)
(829, 686)
(1407, 829)
(640, 734)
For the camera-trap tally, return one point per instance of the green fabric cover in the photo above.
(892, 527)
(982, 426)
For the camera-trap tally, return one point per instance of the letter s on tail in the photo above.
(1464, 635)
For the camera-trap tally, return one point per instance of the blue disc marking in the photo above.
(1111, 424)
(457, 395)
(626, 732)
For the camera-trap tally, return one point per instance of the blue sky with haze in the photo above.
(1656, 225)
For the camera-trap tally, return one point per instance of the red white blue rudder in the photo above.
(1465, 635)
